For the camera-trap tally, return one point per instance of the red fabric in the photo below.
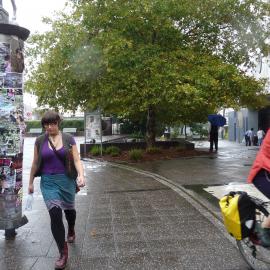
(262, 160)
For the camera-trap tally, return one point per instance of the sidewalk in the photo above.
(230, 164)
(125, 220)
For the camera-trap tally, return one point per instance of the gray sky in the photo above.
(30, 12)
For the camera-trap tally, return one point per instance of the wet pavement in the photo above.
(135, 220)
(230, 164)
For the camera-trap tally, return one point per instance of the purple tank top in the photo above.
(50, 162)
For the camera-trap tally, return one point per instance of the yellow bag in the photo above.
(238, 211)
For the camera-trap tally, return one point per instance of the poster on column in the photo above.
(5, 60)
(12, 129)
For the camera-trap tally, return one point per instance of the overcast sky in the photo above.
(30, 12)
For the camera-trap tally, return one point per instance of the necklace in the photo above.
(55, 139)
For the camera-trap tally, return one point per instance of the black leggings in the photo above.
(57, 225)
(262, 182)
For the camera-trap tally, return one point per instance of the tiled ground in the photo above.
(125, 221)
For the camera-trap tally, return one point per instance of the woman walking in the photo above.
(56, 160)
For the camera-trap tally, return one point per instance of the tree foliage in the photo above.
(173, 60)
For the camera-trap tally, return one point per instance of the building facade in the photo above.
(240, 121)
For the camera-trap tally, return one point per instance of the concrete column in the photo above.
(12, 126)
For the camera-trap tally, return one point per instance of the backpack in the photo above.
(238, 211)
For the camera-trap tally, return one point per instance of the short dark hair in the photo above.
(50, 117)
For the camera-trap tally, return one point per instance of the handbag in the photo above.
(70, 162)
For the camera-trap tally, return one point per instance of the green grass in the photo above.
(95, 150)
(153, 150)
(135, 154)
(113, 151)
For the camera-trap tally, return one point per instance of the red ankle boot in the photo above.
(71, 236)
(62, 261)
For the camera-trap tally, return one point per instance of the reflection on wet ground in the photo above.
(230, 164)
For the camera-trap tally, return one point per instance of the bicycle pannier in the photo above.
(238, 212)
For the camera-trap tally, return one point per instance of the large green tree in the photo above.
(169, 60)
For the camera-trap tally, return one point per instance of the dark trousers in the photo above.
(213, 141)
(248, 140)
(57, 225)
(262, 182)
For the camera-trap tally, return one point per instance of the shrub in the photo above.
(113, 151)
(33, 124)
(180, 148)
(135, 154)
(95, 150)
(153, 150)
(66, 123)
(199, 129)
(73, 123)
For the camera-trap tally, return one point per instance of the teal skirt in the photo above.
(58, 190)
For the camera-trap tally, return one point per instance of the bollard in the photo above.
(12, 126)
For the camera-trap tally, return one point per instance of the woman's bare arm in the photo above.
(33, 171)
(78, 165)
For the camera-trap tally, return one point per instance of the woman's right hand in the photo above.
(31, 188)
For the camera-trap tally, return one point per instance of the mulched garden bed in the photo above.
(164, 154)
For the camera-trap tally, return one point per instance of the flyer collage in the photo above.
(12, 129)
(92, 126)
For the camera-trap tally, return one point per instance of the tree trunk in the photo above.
(150, 127)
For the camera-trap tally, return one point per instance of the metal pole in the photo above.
(84, 148)
(100, 132)
(222, 133)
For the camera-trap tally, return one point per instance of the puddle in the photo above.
(201, 190)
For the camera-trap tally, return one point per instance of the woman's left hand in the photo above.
(81, 181)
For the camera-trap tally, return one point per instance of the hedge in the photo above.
(75, 123)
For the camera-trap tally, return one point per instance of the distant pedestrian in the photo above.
(52, 161)
(249, 137)
(213, 137)
(260, 135)
(167, 133)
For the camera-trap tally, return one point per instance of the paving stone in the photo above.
(99, 249)
(145, 212)
(44, 263)
(128, 236)
(167, 260)
(96, 263)
(97, 214)
(125, 228)
(131, 248)
(157, 245)
(17, 263)
(124, 220)
(138, 261)
(123, 213)
(100, 221)
(101, 237)
(148, 219)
